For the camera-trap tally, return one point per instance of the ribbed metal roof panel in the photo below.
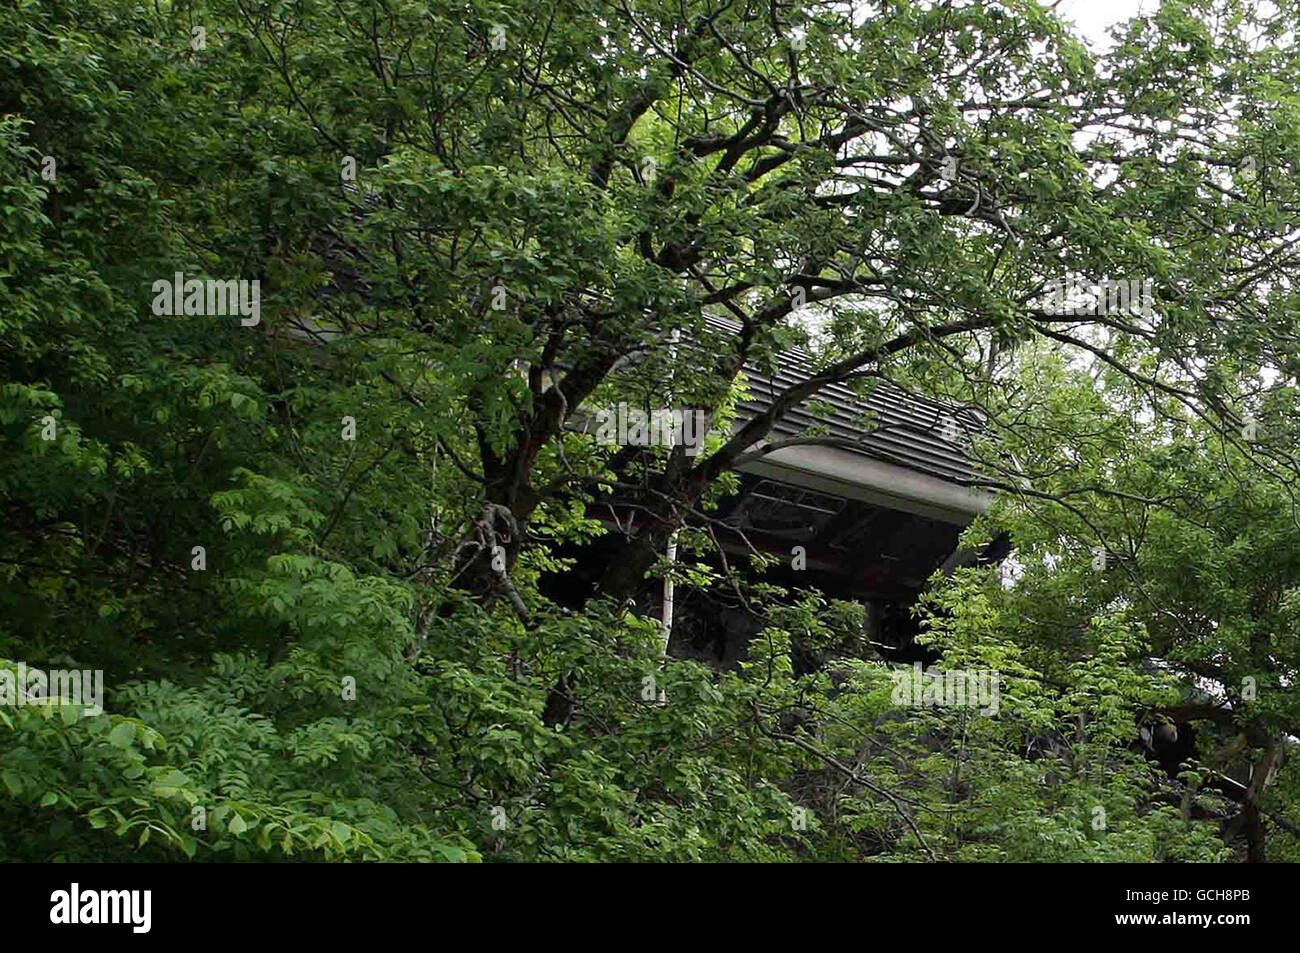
(886, 423)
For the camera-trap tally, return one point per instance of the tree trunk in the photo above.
(1263, 770)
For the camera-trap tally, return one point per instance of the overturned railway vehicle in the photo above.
(866, 510)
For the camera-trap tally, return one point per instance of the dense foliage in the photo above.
(309, 554)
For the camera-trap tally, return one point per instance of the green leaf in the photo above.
(12, 782)
(122, 735)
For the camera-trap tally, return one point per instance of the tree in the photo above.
(305, 550)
